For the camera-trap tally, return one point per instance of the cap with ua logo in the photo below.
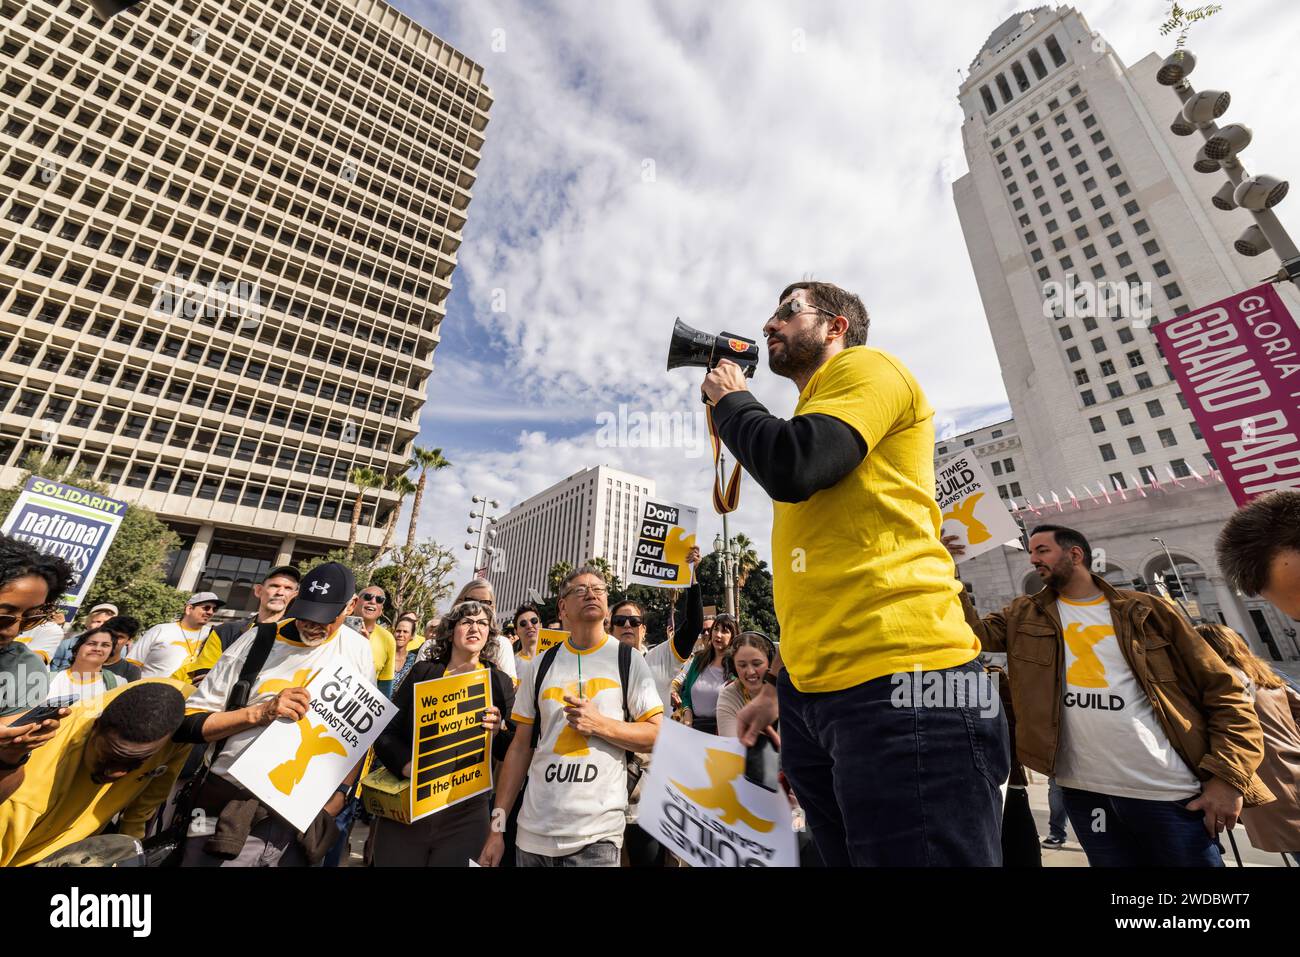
(323, 594)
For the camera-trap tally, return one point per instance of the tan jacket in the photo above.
(1199, 703)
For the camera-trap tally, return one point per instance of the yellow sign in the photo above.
(548, 638)
(666, 535)
(451, 751)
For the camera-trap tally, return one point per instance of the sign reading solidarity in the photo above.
(659, 555)
(697, 802)
(69, 522)
(548, 638)
(294, 766)
(1238, 364)
(971, 508)
(452, 751)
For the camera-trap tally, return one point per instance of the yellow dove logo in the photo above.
(1087, 670)
(723, 767)
(675, 550)
(315, 741)
(276, 685)
(570, 743)
(964, 512)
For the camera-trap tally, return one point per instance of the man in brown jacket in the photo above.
(1148, 733)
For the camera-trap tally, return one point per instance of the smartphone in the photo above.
(355, 623)
(43, 712)
(762, 764)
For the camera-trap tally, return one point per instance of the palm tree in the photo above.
(403, 487)
(559, 571)
(364, 479)
(422, 459)
(747, 560)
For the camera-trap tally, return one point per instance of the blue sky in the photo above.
(649, 160)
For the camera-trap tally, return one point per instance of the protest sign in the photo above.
(69, 522)
(1236, 362)
(451, 750)
(294, 766)
(667, 533)
(697, 802)
(548, 638)
(971, 507)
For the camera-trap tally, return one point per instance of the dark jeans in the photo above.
(897, 784)
(1130, 832)
(600, 854)
(1056, 804)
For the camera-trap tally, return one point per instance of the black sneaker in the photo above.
(1053, 842)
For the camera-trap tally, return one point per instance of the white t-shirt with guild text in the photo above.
(290, 664)
(1111, 741)
(164, 649)
(577, 784)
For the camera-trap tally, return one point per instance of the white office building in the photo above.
(1085, 224)
(592, 514)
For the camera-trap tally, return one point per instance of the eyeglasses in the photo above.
(621, 620)
(479, 622)
(582, 591)
(529, 622)
(377, 599)
(33, 619)
(793, 307)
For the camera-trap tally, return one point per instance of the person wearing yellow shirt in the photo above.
(278, 587)
(111, 756)
(892, 736)
(370, 606)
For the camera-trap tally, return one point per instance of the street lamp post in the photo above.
(1177, 577)
(1257, 194)
(484, 531)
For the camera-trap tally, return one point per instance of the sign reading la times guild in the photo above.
(666, 534)
(971, 508)
(294, 766)
(697, 802)
(1238, 365)
(69, 522)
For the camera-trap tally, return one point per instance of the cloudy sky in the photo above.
(652, 160)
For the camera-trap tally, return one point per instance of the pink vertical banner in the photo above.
(1238, 364)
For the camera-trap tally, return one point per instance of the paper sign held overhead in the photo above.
(294, 766)
(666, 534)
(971, 507)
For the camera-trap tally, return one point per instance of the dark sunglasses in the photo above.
(633, 620)
(377, 599)
(33, 619)
(530, 621)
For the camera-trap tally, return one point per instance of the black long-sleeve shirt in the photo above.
(685, 635)
(393, 746)
(792, 460)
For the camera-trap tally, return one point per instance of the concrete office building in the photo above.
(227, 234)
(595, 513)
(1085, 224)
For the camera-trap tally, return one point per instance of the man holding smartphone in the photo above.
(29, 581)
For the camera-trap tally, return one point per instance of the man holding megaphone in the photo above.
(889, 770)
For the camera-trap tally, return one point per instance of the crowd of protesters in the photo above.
(1167, 731)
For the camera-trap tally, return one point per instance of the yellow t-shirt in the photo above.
(384, 646)
(58, 804)
(862, 585)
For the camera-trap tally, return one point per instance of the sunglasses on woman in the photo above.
(529, 622)
(623, 620)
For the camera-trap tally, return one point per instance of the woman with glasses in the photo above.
(480, 590)
(704, 677)
(87, 678)
(528, 629)
(463, 644)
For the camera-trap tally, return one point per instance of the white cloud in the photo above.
(776, 154)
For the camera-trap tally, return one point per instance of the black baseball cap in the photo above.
(323, 593)
(289, 571)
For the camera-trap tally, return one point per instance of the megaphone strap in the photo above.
(728, 501)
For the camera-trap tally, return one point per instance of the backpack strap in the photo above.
(248, 673)
(625, 675)
(543, 665)
(111, 680)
